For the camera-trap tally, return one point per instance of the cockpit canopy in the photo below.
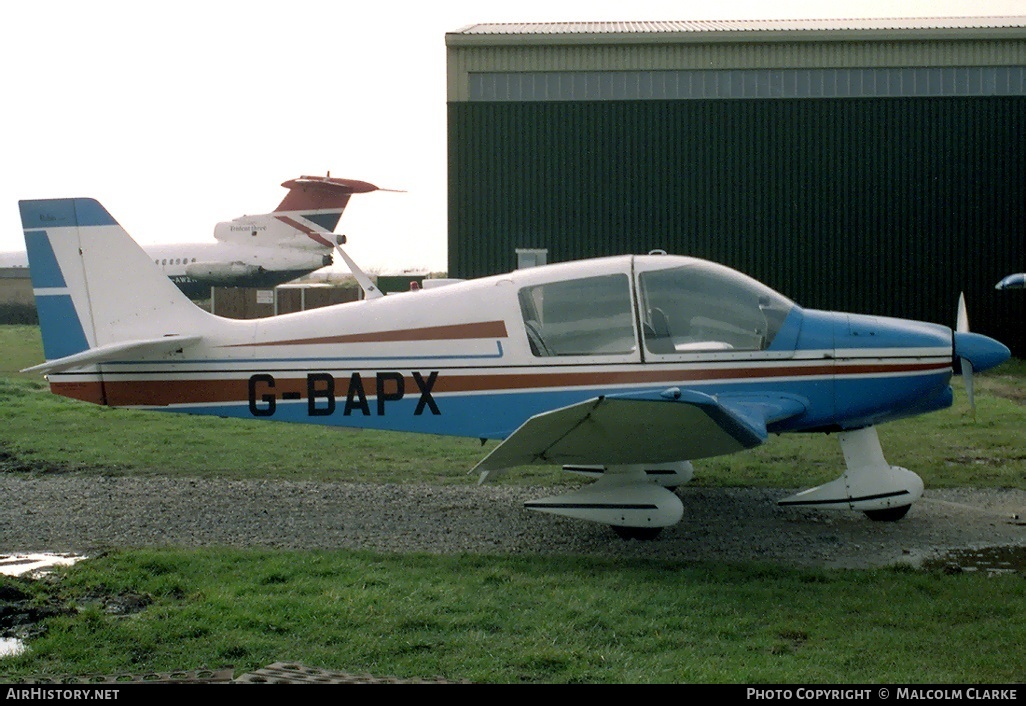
(693, 307)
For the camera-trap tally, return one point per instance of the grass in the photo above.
(503, 619)
(528, 619)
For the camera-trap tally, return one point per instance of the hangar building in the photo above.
(874, 166)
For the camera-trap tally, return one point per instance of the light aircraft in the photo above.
(263, 250)
(623, 368)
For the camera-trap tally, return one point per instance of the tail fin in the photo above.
(98, 294)
(311, 209)
(321, 199)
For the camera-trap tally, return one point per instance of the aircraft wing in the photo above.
(662, 427)
(115, 351)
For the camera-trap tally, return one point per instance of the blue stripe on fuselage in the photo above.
(483, 415)
(495, 415)
(833, 329)
(864, 401)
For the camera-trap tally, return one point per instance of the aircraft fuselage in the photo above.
(459, 359)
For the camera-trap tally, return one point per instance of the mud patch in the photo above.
(9, 463)
(22, 612)
(992, 560)
(29, 597)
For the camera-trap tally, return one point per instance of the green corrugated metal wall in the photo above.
(884, 206)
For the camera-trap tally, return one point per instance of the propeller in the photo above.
(962, 326)
(975, 352)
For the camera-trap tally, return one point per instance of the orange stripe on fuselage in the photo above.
(91, 392)
(183, 391)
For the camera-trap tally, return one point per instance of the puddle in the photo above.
(31, 565)
(34, 564)
(10, 646)
(993, 560)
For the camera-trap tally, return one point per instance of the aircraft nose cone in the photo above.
(982, 351)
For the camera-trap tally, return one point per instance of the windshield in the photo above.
(703, 306)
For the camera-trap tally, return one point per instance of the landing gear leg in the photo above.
(869, 484)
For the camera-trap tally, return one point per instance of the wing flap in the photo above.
(669, 426)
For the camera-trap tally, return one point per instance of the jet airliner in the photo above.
(264, 250)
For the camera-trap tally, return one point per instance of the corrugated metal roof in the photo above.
(712, 26)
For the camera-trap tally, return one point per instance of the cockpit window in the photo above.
(590, 316)
(707, 307)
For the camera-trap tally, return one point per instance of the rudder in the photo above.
(64, 323)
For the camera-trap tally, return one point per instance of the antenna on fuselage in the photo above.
(370, 290)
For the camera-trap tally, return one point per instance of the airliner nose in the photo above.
(982, 351)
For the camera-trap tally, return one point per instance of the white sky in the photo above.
(178, 115)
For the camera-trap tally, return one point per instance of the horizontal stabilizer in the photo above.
(314, 193)
(655, 427)
(115, 351)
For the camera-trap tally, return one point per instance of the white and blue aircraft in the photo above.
(623, 368)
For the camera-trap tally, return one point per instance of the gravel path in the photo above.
(80, 514)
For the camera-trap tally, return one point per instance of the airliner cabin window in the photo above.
(590, 316)
(707, 307)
